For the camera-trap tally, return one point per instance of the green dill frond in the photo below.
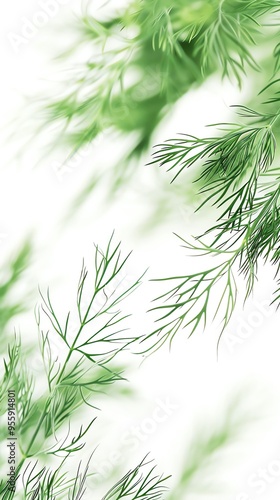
(239, 178)
(48, 484)
(187, 303)
(262, 233)
(17, 376)
(97, 306)
(142, 59)
(67, 446)
(239, 149)
(11, 363)
(139, 484)
(233, 166)
(73, 377)
(51, 364)
(192, 298)
(276, 55)
(14, 271)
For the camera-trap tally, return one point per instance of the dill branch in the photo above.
(238, 176)
(14, 270)
(10, 365)
(188, 302)
(139, 485)
(48, 484)
(232, 166)
(73, 377)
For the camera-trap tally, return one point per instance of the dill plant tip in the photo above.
(47, 483)
(15, 269)
(232, 165)
(73, 377)
(239, 178)
(189, 301)
(139, 483)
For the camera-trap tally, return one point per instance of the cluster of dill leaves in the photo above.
(49, 403)
(145, 57)
(84, 367)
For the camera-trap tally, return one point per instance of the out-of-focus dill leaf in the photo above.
(139, 483)
(142, 59)
(11, 302)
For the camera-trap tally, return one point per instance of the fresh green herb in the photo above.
(240, 179)
(144, 57)
(137, 485)
(83, 367)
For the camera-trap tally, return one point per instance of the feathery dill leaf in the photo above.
(240, 179)
(73, 377)
(139, 484)
(14, 270)
(143, 58)
(189, 301)
(54, 484)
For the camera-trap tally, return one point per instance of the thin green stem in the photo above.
(275, 118)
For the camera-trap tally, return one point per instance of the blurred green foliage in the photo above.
(131, 65)
(13, 301)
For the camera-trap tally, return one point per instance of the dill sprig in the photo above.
(47, 484)
(82, 368)
(187, 304)
(240, 179)
(14, 270)
(137, 484)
